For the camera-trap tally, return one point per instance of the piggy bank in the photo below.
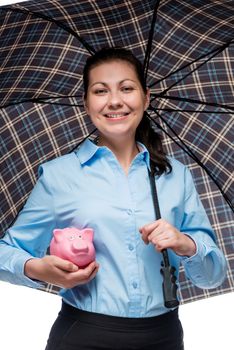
(74, 245)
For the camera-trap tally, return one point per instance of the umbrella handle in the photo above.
(169, 285)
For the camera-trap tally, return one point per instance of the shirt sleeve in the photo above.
(207, 268)
(30, 235)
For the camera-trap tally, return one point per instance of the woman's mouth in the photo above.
(117, 116)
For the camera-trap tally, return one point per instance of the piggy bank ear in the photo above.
(58, 237)
(88, 234)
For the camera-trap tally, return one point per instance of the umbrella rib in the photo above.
(188, 151)
(59, 24)
(61, 104)
(85, 138)
(44, 100)
(150, 39)
(184, 99)
(213, 53)
(189, 111)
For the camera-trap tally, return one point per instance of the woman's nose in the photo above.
(115, 100)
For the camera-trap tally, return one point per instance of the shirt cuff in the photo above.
(194, 263)
(21, 277)
(200, 268)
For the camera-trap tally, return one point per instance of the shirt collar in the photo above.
(89, 149)
(86, 151)
(145, 153)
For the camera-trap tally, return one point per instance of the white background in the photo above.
(26, 316)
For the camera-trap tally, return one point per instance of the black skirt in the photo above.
(78, 330)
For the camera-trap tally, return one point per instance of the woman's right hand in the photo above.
(63, 273)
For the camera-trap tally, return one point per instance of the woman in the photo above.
(116, 302)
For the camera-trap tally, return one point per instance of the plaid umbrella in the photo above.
(187, 51)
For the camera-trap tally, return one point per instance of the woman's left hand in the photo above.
(163, 235)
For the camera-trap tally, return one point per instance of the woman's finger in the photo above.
(155, 228)
(64, 265)
(146, 229)
(82, 276)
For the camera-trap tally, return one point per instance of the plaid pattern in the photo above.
(41, 114)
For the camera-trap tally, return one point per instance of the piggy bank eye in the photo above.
(71, 238)
(80, 236)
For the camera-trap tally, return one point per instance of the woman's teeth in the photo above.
(116, 115)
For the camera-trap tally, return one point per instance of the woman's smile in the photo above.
(117, 116)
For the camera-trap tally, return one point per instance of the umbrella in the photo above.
(187, 51)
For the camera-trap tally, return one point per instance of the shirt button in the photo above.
(129, 212)
(134, 285)
(130, 247)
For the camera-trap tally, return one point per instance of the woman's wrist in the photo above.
(29, 271)
(191, 246)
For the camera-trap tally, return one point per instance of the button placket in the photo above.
(128, 201)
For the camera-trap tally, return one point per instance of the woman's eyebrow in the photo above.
(106, 84)
(98, 82)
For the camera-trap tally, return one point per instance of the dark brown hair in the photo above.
(144, 132)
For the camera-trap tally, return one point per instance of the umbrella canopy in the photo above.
(188, 55)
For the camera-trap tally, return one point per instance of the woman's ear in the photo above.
(147, 101)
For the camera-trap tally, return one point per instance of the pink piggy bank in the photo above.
(74, 245)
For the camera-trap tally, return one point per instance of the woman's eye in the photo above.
(127, 89)
(100, 91)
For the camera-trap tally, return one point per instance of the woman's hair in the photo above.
(144, 132)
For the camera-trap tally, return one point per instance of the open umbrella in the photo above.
(188, 55)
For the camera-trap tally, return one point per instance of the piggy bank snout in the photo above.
(80, 246)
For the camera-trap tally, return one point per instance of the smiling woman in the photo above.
(115, 92)
(115, 103)
(106, 187)
(92, 187)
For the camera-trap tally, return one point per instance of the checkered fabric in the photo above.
(43, 47)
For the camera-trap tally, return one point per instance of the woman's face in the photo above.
(115, 99)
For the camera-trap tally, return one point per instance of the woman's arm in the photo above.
(204, 263)
(23, 249)
(30, 235)
(208, 267)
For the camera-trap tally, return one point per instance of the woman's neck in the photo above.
(125, 151)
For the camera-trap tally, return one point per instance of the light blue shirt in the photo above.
(88, 188)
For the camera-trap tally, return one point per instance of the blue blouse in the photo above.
(88, 188)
